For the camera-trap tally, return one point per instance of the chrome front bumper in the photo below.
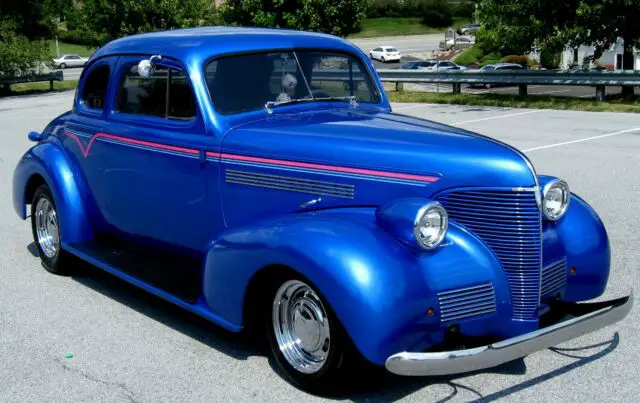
(587, 318)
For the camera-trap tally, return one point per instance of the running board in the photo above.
(176, 275)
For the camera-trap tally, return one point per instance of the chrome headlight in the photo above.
(555, 199)
(430, 225)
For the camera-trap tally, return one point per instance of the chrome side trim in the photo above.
(291, 184)
(599, 315)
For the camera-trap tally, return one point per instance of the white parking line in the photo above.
(581, 140)
(499, 117)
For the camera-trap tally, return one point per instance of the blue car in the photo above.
(259, 178)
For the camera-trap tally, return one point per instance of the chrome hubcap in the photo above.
(301, 327)
(47, 228)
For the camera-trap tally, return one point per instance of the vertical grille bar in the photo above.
(509, 222)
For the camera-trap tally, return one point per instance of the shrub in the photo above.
(549, 59)
(436, 13)
(78, 37)
(469, 56)
(394, 8)
(491, 58)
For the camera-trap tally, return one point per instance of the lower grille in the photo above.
(509, 222)
(468, 302)
(554, 278)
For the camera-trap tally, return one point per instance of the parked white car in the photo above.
(385, 54)
(65, 61)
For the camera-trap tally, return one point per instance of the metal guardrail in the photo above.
(597, 79)
(51, 77)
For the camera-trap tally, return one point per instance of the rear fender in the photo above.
(379, 288)
(49, 161)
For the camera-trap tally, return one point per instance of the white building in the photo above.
(611, 59)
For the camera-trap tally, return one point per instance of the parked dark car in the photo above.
(418, 64)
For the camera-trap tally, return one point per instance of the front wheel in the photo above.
(306, 339)
(46, 232)
(382, 59)
(63, 66)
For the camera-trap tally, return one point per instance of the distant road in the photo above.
(71, 73)
(405, 44)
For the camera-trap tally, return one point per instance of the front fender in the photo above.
(379, 288)
(586, 245)
(48, 160)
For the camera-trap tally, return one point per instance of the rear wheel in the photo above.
(46, 232)
(382, 59)
(308, 343)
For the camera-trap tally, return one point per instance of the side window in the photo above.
(95, 86)
(166, 94)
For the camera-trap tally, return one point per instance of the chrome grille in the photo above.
(467, 302)
(554, 277)
(290, 183)
(509, 222)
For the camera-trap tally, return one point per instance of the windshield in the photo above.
(247, 82)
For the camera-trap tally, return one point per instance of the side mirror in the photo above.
(146, 67)
(35, 136)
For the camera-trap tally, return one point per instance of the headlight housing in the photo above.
(430, 225)
(555, 199)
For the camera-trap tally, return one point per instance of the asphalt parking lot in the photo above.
(129, 346)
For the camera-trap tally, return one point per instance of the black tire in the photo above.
(63, 66)
(343, 362)
(58, 263)
(382, 59)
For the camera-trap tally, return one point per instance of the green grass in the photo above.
(611, 104)
(66, 48)
(375, 27)
(36, 88)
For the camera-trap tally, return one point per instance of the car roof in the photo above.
(205, 42)
(506, 64)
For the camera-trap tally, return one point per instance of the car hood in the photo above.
(277, 163)
(386, 142)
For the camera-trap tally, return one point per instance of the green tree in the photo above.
(110, 19)
(23, 23)
(514, 26)
(334, 17)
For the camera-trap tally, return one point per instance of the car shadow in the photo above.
(31, 248)
(389, 387)
(236, 346)
(373, 386)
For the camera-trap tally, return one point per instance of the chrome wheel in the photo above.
(301, 327)
(46, 221)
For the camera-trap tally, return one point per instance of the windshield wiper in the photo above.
(268, 107)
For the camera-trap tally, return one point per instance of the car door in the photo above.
(147, 167)
(72, 61)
